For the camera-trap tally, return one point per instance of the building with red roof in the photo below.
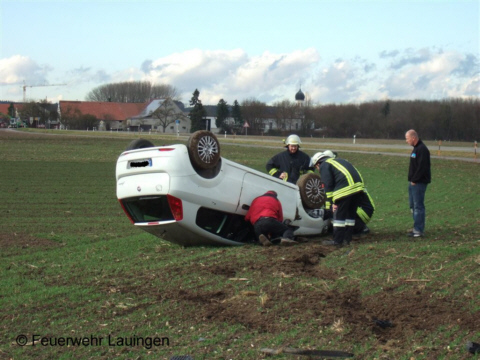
(156, 115)
(112, 115)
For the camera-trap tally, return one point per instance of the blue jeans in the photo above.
(416, 194)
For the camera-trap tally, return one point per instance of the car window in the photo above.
(148, 208)
(226, 225)
(211, 220)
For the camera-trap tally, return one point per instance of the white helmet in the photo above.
(293, 140)
(319, 156)
(330, 153)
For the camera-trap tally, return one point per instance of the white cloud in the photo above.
(427, 73)
(17, 69)
(412, 56)
(230, 74)
(435, 76)
(194, 68)
(471, 88)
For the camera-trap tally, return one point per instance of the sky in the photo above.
(338, 51)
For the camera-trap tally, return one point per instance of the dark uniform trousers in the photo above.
(272, 228)
(344, 218)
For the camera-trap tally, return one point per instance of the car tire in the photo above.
(312, 191)
(139, 144)
(204, 149)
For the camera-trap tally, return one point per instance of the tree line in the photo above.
(448, 119)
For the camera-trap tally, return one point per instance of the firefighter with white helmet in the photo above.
(293, 140)
(344, 188)
(289, 165)
(322, 155)
(366, 206)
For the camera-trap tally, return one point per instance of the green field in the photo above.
(74, 268)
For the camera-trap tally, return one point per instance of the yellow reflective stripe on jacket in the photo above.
(352, 187)
(363, 215)
(349, 190)
(342, 169)
(273, 171)
(371, 200)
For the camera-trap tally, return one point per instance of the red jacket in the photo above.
(266, 205)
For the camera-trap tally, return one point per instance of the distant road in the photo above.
(319, 143)
(379, 146)
(401, 147)
(258, 141)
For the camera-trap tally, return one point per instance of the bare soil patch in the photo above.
(24, 241)
(392, 317)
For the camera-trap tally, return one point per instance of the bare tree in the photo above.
(448, 119)
(132, 92)
(69, 116)
(254, 112)
(32, 111)
(285, 113)
(164, 91)
(167, 114)
(74, 119)
(308, 118)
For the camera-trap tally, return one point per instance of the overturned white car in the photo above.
(190, 195)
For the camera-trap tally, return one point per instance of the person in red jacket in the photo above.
(266, 216)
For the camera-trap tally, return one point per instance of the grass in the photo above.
(73, 265)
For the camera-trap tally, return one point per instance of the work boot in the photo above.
(264, 240)
(287, 242)
(364, 232)
(332, 243)
(347, 239)
(301, 239)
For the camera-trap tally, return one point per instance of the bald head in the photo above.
(411, 137)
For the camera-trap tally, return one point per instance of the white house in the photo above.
(162, 115)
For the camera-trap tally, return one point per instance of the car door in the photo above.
(258, 184)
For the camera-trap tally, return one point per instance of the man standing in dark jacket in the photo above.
(291, 164)
(419, 176)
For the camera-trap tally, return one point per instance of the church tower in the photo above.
(300, 97)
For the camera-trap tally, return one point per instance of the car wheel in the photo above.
(139, 144)
(204, 149)
(312, 191)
